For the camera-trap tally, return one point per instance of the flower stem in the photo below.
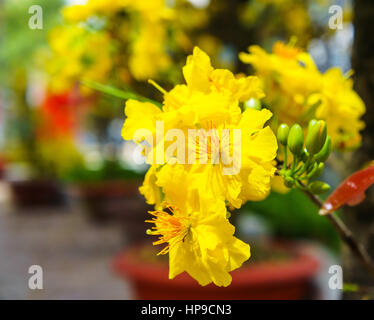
(347, 236)
(285, 158)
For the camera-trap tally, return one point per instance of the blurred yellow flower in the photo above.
(80, 12)
(341, 107)
(68, 155)
(297, 91)
(75, 56)
(148, 54)
(146, 32)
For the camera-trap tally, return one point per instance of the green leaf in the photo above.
(293, 215)
(350, 287)
(115, 92)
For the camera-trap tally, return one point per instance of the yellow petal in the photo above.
(242, 89)
(151, 192)
(239, 253)
(262, 145)
(203, 109)
(175, 98)
(277, 185)
(258, 183)
(253, 120)
(174, 181)
(140, 115)
(197, 70)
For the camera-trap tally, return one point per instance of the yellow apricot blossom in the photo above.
(210, 102)
(148, 51)
(190, 197)
(248, 175)
(297, 91)
(198, 236)
(74, 56)
(147, 19)
(341, 107)
(80, 12)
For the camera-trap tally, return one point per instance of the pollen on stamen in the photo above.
(171, 228)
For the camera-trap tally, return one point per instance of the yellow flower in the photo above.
(152, 10)
(80, 12)
(151, 191)
(248, 176)
(146, 27)
(190, 197)
(74, 56)
(201, 76)
(286, 51)
(210, 102)
(284, 58)
(296, 92)
(76, 13)
(68, 157)
(148, 56)
(198, 237)
(341, 107)
(140, 115)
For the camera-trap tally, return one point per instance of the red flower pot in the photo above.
(289, 279)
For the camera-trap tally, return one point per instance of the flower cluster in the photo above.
(73, 56)
(191, 199)
(307, 163)
(141, 28)
(298, 92)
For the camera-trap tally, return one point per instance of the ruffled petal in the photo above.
(253, 120)
(241, 89)
(197, 70)
(140, 115)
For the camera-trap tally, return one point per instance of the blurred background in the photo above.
(69, 182)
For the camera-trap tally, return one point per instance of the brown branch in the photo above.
(347, 236)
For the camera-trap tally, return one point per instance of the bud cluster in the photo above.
(308, 156)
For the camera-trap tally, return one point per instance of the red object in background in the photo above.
(351, 191)
(281, 280)
(58, 115)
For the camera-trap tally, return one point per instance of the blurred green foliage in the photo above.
(18, 41)
(293, 215)
(110, 170)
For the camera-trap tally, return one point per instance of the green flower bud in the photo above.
(296, 139)
(304, 156)
(253, 104)
(312, 168)
(317, 170)
(289, 182)
(283, 134)
(316, 137)
(323, 155)
(318, 187)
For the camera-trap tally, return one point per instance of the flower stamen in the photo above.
(172, 228)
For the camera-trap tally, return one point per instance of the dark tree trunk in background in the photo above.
(361, 218)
